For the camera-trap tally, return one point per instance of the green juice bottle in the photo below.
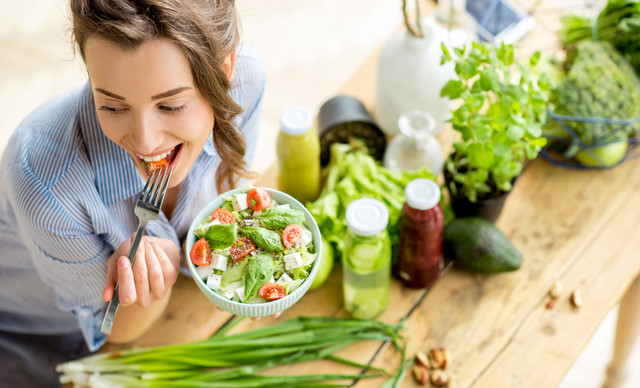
(298, 155)
(366, 261)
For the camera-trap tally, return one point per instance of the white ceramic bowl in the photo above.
(259, 309)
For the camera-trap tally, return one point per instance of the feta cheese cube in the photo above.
(304, 239)
(213, 281)
(214, 222)
(272, 280)
(240, 292)
(239, 202)
(218, 262)
(284, 279)
(292, 261)
(249, 222)
(285, 206)
(204, 271)
(229, 294)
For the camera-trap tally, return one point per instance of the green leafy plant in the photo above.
(503, 107)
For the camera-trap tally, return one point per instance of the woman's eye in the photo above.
(172, 109)
(111, 109)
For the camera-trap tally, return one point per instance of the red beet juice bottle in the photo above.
(420, 229)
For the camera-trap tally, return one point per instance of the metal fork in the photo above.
(147, 209)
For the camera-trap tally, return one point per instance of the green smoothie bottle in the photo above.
(366, 261)
(298, 153)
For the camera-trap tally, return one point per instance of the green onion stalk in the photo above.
(617, 23)
(235, 360)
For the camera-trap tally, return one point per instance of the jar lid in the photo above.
(296, 120)
(367, 216)
(422, 194)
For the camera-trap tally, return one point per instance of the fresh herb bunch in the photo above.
(600, 83)
(500, 119)
(617, 23)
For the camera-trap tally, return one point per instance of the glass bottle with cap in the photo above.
(298, 155)
(416, 146)
(420, 232)
(366, 260)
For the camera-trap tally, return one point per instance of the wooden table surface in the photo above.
(580, 227)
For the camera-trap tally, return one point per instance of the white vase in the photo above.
(410, 75)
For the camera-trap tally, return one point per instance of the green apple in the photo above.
(326, 265)
(610, 154)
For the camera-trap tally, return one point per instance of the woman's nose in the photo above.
(146, 133)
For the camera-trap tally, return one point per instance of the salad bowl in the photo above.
(266, 307)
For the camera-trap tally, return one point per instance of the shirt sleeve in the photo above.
(66, 252)
(249, 86)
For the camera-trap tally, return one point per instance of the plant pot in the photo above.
(487, 208)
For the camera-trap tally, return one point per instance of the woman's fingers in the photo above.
(157, 285)
(126, 284)
(110, 281)
(141, 276)
(276, 315)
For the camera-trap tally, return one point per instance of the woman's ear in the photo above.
(229, 64)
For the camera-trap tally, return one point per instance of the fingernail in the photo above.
(124, 263)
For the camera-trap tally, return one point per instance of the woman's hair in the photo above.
(205, 30)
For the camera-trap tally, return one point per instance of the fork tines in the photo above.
(156, 187)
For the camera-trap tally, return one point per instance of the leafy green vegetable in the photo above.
(228, 205)
(221, 236)
(259, 272)
(276, 218)
(600, 83)
(266, 239)
(500, 119)
(618, 23)
(352, 174)
(234, 273)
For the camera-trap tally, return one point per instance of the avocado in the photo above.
(477, 245)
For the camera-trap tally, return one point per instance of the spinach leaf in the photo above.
(279, 218)
(259, 271)
(221, 236)
(266, 239)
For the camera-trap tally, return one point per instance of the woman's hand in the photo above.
(154, 272)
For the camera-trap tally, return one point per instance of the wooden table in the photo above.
(579, 227)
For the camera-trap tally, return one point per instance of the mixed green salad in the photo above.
(252, 249)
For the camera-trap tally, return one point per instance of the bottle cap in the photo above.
(367, 216)
(422, 194)
(296, 120)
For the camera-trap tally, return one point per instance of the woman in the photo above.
(166, 80)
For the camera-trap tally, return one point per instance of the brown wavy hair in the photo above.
(206, 31)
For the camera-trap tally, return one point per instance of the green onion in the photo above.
(235, 360)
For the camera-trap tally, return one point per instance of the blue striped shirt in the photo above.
(66, 203)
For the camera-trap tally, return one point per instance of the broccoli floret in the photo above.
(600, 83)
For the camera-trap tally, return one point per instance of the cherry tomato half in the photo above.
(151, 166)
(223, 215)
(272, 291)
(258, 199)
(200, 253)
(241, 248)
(291, 235)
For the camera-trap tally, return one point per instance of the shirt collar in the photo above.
(116, 176)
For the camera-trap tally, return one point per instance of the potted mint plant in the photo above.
(499, 119)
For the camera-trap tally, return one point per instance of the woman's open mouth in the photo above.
(151, 163)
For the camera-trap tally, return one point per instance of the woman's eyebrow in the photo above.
(109, 94)
(170, 93)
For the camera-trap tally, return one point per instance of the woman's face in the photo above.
(148, 104)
